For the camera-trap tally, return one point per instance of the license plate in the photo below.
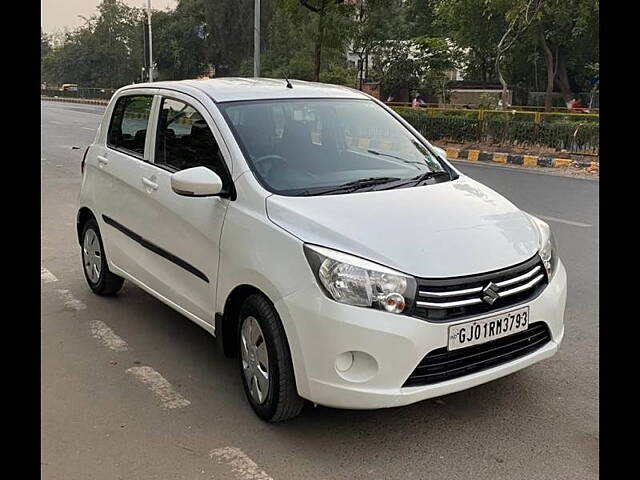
(481, 331)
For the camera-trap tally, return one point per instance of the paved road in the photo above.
(101, 421)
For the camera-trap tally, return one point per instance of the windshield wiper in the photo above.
(353, 186)
(375, 152)
(427, 175)
(419, 179)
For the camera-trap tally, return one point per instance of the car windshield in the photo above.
(309, 147)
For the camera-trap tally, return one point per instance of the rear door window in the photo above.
(129, 124)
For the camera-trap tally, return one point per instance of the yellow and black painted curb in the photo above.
(516, 159)
(76, 100)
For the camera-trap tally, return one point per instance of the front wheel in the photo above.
(265, 362)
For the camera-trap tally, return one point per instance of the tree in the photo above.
(116, 42)
(476, 26)
(229, 29)
(375, 21)
(328, 13)
(564, 34)
(418, 64)
(568, 34)
(180, 41)
(105, 51)
(594, 81)
(45, 44)
(418, 19)
(520, 17)
(45, 52)
(289, 41)
(308, 39)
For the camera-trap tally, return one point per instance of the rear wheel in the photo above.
(94, 262)
(265, 362)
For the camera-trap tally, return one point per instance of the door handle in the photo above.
(149, 183)
(102, 161)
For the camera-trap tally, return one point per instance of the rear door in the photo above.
(118, 191)
(183, 233)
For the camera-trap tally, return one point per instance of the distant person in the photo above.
(576, 105)
(417, 101)
(502, 104)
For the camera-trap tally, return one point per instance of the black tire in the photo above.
(282, 400)
(107, 283)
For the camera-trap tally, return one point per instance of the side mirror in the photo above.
(440, 151)
(196, 182)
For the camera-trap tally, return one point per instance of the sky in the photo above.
(59, 14)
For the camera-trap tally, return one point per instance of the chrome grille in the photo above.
(442, 300)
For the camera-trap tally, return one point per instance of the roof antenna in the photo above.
(288, 82)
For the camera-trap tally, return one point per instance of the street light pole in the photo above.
(150, 43)
(256, 38)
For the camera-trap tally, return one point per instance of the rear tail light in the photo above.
(84, 159)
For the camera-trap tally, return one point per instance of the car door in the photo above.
(119, 194)
(182, 233)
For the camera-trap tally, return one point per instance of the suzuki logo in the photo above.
(490, 293)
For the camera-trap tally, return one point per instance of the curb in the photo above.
(517, 159)
(76, 100)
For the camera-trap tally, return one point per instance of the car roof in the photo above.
(230, 89)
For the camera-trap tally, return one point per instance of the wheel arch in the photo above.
(227, 323)
(84, 214)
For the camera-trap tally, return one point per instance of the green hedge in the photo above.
(505, 129)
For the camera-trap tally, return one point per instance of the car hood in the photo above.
(446, 229)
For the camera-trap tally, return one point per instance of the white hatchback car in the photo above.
(320, 238)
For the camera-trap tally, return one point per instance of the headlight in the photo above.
(355, 281)
(548, 251)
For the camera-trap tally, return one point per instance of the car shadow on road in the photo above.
(506, 420)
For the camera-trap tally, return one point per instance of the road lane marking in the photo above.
(102, 332)
(46, 276)
(71, 301)
(99, 330)
(241, 465)
(159, 386)
(561, 220)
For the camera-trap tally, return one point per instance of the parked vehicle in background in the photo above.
(69, 87)
(320, 238)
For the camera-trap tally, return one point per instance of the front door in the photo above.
(183, 233)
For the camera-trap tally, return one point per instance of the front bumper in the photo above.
(390, 347)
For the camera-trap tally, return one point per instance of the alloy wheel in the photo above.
(92, 256)
(255, 360)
